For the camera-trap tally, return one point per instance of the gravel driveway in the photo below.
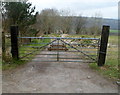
(55, 77)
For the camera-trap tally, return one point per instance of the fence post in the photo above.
(103, 45)
(14, 42)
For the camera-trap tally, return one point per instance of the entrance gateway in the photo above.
(61, 49)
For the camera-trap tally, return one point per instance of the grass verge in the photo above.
(113, 31)
(110, 69)
(27, 51)
(12, 65)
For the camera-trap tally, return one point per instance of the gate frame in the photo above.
(101, 52)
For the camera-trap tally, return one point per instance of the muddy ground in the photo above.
(55, 77)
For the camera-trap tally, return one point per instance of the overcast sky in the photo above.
(106, 8)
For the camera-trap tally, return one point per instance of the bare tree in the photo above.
(52, 21)
(80, 24)
(46, 20)
(66, 21)
(96, 25)
(65, 24)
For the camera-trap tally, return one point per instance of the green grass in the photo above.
(113, 31)
(107, 71)
(0, 64)
(22, 52)
(83, 36)
(33, 47)
(110, 69)
(53, 35)
(13, 65)
(113, 40)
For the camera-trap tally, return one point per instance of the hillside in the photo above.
(113, 23)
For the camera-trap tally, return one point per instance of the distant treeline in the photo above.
(113, 23)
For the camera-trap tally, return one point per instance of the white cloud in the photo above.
(85, 1)
(89, 7)
(109, 12)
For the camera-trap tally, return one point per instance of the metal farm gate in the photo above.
(60, 49)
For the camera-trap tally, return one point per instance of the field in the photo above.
(113, 31)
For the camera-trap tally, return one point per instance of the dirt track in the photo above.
(55, 77)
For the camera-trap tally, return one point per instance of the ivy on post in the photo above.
(14, 42)
(103, 45)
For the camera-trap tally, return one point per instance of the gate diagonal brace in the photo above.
(78, 50)
(48, 44)
(39, 48)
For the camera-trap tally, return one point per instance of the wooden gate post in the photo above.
(3, 45)
(14, 42)
(103, 45)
